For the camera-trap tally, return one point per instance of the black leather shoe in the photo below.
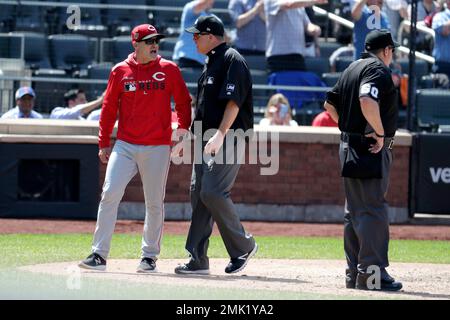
(386, 283)
(385, 276)
(350, 278)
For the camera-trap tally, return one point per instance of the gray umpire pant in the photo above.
(211, 185)
(125, 161)
(366, 223)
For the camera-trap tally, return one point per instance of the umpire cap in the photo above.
(379, 39)
(209, 24)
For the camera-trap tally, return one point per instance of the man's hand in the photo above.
(215, 143)
(259, 5)
(104, 154)
(292, 4)
(177, 148)
(314, 30)
(375, 148)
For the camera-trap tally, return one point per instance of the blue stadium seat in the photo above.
(331, 78)
(166, 54)
(121, 21)
(433, 107)
(299, 99)
(98, 71)
(70, 51)
(168, 44)
(91, 20)
(191, 75)
(35, 49)
(121, 48)
(318, 65)
(260, 96)
(256, 62)
(327, 48)
(30, 18)
(342, 63)
(259, 76)
(10, 46)
(7, 15)
(165, 19)
(422, 67)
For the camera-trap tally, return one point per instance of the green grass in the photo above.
(19, 250)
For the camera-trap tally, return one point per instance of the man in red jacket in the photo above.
(139, 91)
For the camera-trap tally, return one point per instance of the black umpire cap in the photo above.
(379, 39)
(209, 24)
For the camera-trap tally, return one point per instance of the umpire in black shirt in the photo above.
(363, 103)
(224, 101)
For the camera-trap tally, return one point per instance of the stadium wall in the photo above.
(307, 187)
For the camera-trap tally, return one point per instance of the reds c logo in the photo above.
(159, 76)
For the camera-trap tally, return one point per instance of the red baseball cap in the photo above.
(144, 32)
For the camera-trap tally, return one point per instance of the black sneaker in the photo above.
(93, 262)
(239, 263)
(386, 283)
(192, 267)
(147, 265)
(350, 278)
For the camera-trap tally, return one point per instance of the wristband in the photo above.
(379, 135)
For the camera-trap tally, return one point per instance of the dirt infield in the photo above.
(12, 226)
(262, 278)
(275, 278)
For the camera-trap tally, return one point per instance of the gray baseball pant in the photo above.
(211, 185)
(366, 221)
(152, 162)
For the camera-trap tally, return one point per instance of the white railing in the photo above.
(100, 5)
(188, 84)
(402, 49)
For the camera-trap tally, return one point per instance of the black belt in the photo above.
(388, 141)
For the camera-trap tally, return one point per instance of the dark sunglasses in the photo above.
(392, 49)
(197, 35)
(151, 41)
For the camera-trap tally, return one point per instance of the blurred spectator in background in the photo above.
(185, 53)
(342, 33)
(441, 51)
(286, 24)
(24, 105)
(366, 20)
(396, 11)
(76, 106)
(426, 10)
(278, 112)
(312, 48)
(249, 19)
(347, 51)
(94, 115)
(323, 119)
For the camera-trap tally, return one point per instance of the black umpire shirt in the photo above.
(226, 76)
(367, 77)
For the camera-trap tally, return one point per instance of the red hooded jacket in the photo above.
(141, 93)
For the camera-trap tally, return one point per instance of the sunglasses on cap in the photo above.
(151, 41)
